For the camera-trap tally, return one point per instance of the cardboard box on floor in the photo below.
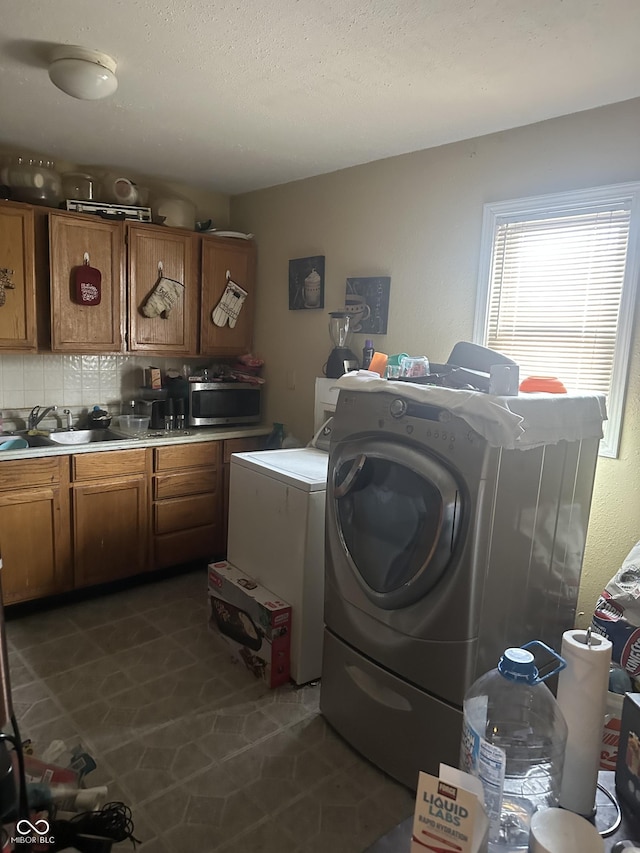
(254, 622)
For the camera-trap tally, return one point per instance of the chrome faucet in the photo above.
(69, 416)
(36, 415)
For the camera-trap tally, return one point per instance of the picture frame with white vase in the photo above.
(306, 283)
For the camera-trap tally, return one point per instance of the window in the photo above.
(557, 286)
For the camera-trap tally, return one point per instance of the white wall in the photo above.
(418, 219)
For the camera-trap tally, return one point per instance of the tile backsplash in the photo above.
(75, 382)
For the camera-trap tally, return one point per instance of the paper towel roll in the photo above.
(582, 694)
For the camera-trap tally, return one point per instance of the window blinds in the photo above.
(555, 290)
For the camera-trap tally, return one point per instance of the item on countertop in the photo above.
(367, 353)
(547, 384)
(251, 362)
(560, 831)
(582, 696)
(275, 437)
(341, 359)
(411, 367)
(8, 442)
(230, 305)
(133, 423)
(379, 363)
(179, 406)
(503, 380)
(249, 378)
(513, 729)
(449, 814)
(166, 294)
(617, 613)
(88, 283)
(628, 761)
(392, 370)
(169, 414)
(99, 418)
(611, 730)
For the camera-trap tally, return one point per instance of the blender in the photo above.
(341, 359)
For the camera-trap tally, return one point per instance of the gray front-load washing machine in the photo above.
(441, 551)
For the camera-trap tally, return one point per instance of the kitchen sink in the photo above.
(71, 437)
(82, 436)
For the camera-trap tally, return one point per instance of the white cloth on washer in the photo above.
(522, 422)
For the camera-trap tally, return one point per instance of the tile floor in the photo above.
(206, 757)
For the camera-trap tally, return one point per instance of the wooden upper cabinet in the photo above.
(224, 259)
(17, 280)
(155, 253)
(86, 328)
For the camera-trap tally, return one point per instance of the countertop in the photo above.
(152, 438)
(398, 840)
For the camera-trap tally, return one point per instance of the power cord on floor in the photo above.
(96, 831)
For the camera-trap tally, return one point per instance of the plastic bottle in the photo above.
(275, 438)
(513, 739)
(367, 353)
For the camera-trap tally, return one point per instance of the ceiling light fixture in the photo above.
(82, 73)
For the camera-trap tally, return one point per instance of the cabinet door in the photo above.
(35, 543)
(222, 259)
(17, 280)
(110, 529)
(154, 253)
(85, 328)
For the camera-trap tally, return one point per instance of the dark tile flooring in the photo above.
(207, 758)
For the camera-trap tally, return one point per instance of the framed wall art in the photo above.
(306, 283)
(367, 301)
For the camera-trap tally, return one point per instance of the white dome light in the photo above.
(84, 74)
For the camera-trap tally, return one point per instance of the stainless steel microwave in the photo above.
(223, 403)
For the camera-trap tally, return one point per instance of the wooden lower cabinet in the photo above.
(89, 518)
(110, 515)
(35, 540)
(234, 445)
(186, 506)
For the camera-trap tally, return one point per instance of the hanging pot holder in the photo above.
(166, 294)
(87, 283)
(230, 305)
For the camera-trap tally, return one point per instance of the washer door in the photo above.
(397, 511)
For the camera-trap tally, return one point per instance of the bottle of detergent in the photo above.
(513, 739)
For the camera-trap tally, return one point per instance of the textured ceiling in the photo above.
(235, 96)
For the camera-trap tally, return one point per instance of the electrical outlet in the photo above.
(291, 380)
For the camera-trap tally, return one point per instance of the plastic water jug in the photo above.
(514, 737)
